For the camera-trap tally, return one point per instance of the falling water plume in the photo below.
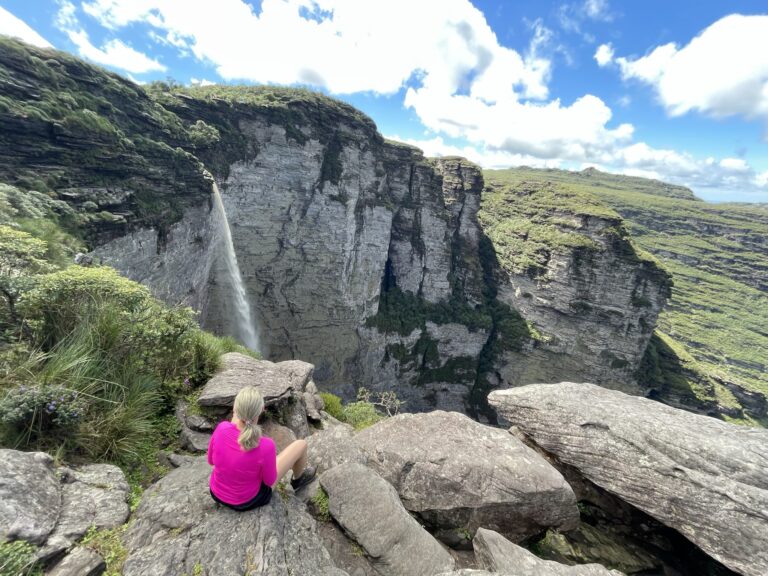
(244, 326)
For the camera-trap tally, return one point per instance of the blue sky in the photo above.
(671, 90)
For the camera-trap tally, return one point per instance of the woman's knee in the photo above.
(301, 445)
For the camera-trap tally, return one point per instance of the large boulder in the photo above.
(178, 529)
(91, 496)
(495, 553)
(369, 510)
(54, 508)
(287, 389)
(276, 382)
(30, 496)
(703, 477)
(458, 474)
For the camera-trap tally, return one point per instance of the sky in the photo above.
(671, 90)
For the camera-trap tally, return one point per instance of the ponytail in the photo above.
(248, 407)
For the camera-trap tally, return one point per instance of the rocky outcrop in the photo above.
(287, 389)
(495, 553)
(369, 510)
(358, 254)
(457, 475)
(54, 508)
(698, 475)
(178, 529)
(79, 562)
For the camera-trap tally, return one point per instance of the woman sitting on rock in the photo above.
(245, 463)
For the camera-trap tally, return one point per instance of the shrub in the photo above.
(202, 135)
(55, 306)
(38, 411)
(333, 405)
(361, 415)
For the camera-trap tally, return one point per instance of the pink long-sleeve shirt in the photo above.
(237, 475)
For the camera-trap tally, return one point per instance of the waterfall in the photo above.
(242, 324)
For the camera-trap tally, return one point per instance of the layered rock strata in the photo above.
(54, 507)
(359, 254)
(457, 475)
(703, 477)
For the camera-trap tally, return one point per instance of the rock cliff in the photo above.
(380, 266)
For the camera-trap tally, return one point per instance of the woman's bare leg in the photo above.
(293, 456)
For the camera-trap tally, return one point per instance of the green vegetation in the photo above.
(95, 129)
(109, 544)
(403, 312)
(17, 558)
(320, 505)
(529, 217)
(362, 413)
(713, 328)
(333, 405)
(90, 364)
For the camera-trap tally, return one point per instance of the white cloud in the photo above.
(761, 179)
(604, 55)
(10, 25)
(201, 82)
(597, 10)
(721, 72)
(113, 53)
(353, 48)
(437, 146)
(460, 82)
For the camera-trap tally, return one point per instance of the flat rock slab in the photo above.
(178, 529)
(701, 476)
(370, 512)
(459, 474)
(79, 562)
(54, 508)
(94, 495)
(495, 553)
(30, 496)
(276, 382)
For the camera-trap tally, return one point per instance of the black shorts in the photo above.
(261, 499)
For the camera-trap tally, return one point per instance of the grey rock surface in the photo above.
(79, 562)
(333, 446)
(495, 553)
(456, 473)
(282, 435)
(193, 440)
(176, 264)
(701, 476)
(370, 512)
(30, 496)
(53, 508)
(276, 382)
(93, 495)
(178, 526)
(345, 554)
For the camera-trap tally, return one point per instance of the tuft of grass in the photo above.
(17, 558)
(320, 505)
(109, 544)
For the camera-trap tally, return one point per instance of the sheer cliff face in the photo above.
(596, 310)
(359, 255)
(364, 258)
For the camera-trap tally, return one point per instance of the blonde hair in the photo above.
(248, 407)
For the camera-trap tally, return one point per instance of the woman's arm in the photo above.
(211, 448)
(269, 474)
